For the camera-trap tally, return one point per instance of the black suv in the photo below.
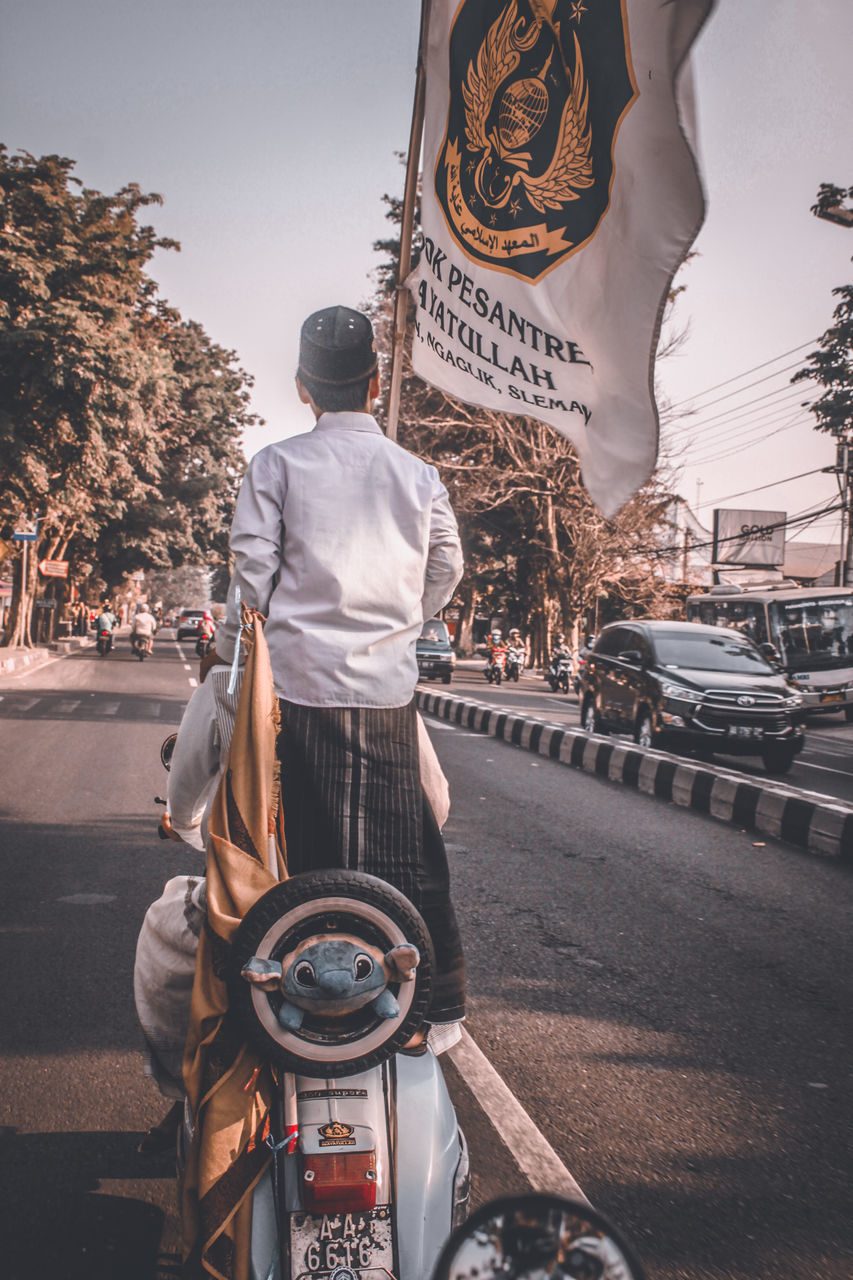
(685, 686)
(435, 655)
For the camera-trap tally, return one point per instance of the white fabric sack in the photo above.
(163, 977)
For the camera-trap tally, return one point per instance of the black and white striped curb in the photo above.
(803, 818)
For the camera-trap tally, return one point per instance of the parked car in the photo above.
(685, 686)
(436, 659)
(191, 622)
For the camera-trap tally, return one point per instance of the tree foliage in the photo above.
(831, 365)
(119, 421)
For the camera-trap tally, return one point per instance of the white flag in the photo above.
(561, 193)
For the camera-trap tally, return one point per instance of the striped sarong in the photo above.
(352, 797)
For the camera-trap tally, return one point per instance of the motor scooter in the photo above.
(559, 674)
(204, 643)
(104, 643)
(495, 667)
(514, 662)
(329, 976)
(141, 646)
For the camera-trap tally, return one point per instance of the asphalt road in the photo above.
(825, 764)
(665, 996)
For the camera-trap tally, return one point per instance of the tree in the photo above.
(119, 422)
(831, 365)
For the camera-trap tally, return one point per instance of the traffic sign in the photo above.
(28, 532)
(54, 568)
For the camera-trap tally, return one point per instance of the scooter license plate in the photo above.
(360, 1242)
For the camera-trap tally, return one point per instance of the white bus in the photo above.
(810, 628)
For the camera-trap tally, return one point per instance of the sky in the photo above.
(270, 128)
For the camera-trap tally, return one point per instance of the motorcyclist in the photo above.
(106, 621)
(559, 651)
(495, 642)
(144, 625)
(206, 634)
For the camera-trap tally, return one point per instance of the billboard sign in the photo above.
(749, 538)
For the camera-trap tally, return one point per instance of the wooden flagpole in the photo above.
(404, 265)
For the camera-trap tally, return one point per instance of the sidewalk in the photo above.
(16, 660)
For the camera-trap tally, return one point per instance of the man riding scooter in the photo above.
(345, 543)
(559, 670)
(496, 654)
(105, 624)
(142, 631)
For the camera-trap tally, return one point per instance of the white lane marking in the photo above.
(193, 683)
(110, 708)
(27, 704)
(187, 667)
(533, 1154)
(845, 773)
(457, 729)
(67, 706)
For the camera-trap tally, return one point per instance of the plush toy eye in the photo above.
(304, 974)
(363, 968)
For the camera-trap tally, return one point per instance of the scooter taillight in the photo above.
(339, 1183)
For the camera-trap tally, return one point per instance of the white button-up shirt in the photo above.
(347, 543)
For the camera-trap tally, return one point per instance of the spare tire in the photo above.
(334, 901)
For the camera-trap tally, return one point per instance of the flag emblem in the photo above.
(523, 176)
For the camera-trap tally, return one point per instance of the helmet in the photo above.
(496, 635)
(514, 631)
(560, 637)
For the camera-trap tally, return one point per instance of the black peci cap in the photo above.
(336, 347)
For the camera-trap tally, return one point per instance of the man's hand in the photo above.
(169, 830)
(210, 659)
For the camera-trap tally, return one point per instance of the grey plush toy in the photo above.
(334, 974)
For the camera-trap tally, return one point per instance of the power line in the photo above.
(734, 431)
(727, 382)
(749, 385)
(730, 451)
(759, 488)
(738, 411)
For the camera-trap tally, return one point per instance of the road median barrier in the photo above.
(805, 819)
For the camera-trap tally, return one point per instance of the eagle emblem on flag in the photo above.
(536, 95)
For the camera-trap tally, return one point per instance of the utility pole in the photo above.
(843, 471)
